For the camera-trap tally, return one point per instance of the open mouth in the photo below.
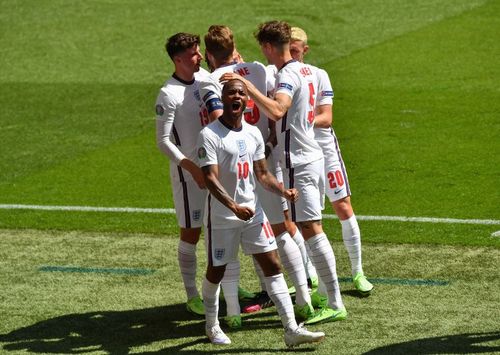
(236, 105)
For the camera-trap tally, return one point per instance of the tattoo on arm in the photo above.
(266, 179)
(211, 174)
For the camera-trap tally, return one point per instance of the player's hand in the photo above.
(291, 195)
(230, 76)
(244, 213)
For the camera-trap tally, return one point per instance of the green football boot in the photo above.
(304, 312)
(233, 322)
(327, 314)
(362, 284)
(195, 305)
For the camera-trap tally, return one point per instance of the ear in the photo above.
(306, 49)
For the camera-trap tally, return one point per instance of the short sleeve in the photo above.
(285, 84)
(325, 90)
(210, 93)
(207, 148)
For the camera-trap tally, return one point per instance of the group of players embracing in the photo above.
(252, 154)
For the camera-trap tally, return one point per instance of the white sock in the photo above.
(260, 274)
(299, 240)
(292, 263)
(186, 255)
(324, 260)
(210, 293)
(278, 292)
(352, 241)
(229, 285)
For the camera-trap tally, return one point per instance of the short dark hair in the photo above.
(277, 33)
(179, 42)
(219, 42)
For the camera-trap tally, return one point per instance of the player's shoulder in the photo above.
(201, 74)
(171, 91)
(252, 130)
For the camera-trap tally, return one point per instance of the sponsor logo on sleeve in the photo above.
(327, 93)
(202, 153)
(159, 110)
(285, 86)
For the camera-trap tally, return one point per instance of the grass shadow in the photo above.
(471, 343)
(117, 332)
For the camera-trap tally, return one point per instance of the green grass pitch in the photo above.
(417, 115)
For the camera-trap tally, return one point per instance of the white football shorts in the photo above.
(308, 180)
(255, 236)
(336, 182)
(272, 204)
(189, 202)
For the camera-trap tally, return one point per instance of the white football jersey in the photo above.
(180, 116)
(211, 91)
(324, 136)
(234, 151)
(295, 130)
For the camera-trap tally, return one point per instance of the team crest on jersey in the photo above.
(219, 253)
(242, 147)
(202, 153)
(196, 215)
(159, 110)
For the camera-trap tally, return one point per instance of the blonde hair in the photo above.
(298, 34)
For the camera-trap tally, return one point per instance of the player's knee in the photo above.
(215, 274)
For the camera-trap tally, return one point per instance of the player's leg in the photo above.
(338, 191)
(189, 201)
(278, 291)
(259, 242)
(306, 212)
(292, 262)
(294, 231)
(222, 248)
(289, 252)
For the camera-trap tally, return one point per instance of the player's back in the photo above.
(255, 72)
(296, 134)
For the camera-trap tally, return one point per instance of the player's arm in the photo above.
(269, 182)
(324, 109)
(273, 109)
(211, 175)
(209, 93)
(323, 117)
(271, 139)
(165, 111)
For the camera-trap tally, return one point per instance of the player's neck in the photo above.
(282, 59)
(185, 76)
(230, 121)
(225, 63)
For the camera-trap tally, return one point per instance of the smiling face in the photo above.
(234, 98)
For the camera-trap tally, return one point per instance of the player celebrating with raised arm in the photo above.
(293, 107)
(220, 47)
(180, 117)
(337, 185)
(231, 155)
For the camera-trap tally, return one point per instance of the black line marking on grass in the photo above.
(404, 282)
(119, 271)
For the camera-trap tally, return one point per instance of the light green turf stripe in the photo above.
(120, 271)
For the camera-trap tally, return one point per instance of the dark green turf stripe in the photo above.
(120, 271)
(408, 282)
